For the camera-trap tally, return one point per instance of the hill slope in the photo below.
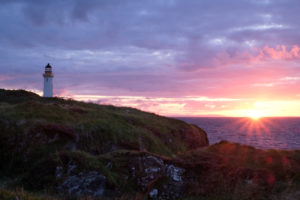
(93, 128)
(37, 131)
(64, 149)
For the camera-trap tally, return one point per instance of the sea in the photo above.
(266, 133)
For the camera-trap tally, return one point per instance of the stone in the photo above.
(153, 193)
(152, 172)
(21, 122)
(59, 172)
(149, 168)
(86, 184)
(71, 168)
(74, 184)
(175, 173)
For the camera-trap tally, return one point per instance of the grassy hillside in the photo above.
(94, 128)
(60, 149)
(34, 128)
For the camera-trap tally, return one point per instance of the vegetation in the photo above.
(232, 171)
(21, 195)
(34, 127)
(98, 129)
(41, 135)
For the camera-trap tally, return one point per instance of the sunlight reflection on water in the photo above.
(278, 133)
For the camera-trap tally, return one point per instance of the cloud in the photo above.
(162, 105)
(280, 52)
(173, 49)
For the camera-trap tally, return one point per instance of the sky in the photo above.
(170, 57)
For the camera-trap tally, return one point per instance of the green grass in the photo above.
(33, 127)
(97, 125)
(20, 194)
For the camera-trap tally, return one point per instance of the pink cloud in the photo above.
(63, 93)
(263, 54)
(281, 52)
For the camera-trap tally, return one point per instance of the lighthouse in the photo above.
(48, 81)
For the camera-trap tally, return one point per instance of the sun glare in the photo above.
(255, 114)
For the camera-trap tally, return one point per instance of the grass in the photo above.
(38, 134)
(232, 171)
(97, 125)
(34, 127)
(20, 194)
(210, 175)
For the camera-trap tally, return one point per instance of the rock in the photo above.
(108, 165)
(153, 193)
(175, 186)
(71, 168)
(59, 172)
(54, 139)
(152, 172)
(175, 173)
(90, 183)
(148, 169)
(86, 184)
(21, 122)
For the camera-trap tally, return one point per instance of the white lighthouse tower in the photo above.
(48, 83)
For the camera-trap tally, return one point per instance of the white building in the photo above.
(48, 81)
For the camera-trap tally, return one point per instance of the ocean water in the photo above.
(266, 133)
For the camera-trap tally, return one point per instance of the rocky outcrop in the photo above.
(157, 178)
(77, 184)
(152, 175)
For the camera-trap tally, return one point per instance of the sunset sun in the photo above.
(255, 114)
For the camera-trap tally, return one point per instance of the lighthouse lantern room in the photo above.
(48, 81)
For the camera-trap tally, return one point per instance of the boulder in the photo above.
(73, 184)
(157, 178)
